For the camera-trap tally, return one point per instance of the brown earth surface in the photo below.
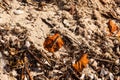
(83, 26)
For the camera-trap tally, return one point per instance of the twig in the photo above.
(22, 74)
(104, 60)
(46, 22)
(26, 67)
(43, 54)
(42, 76)
(72, 72)
(28, 73)
(35, 57)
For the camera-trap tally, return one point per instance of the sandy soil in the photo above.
(83, 22)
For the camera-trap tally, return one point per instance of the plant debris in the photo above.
(79, 65)
(112, 26)
(53, 43)
(46, 39)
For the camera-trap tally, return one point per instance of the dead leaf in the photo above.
(53, 43)
(113, 29)
(112, 26)
(81, 63)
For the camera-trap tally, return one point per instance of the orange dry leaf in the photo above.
(112, 26)
(53, 43)
(113, 29)
(79, 65)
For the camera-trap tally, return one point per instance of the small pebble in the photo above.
(57, 71)
(111, 76)
(118, 11)
(117, 61)
(103, 72)
(27, 44)
(46, 62)
(66, 22)
(82, 76)
(107, 55)
(25, 78)
(6, 53)
(91, 76)
(2, 41)
(95, 64)
(18, 12)
(14, 73)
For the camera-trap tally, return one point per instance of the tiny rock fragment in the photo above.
(66, 23)
(14, 73)
(27, 44)
(103, 72)
(107, 55)
(118, 9)
(53, 43)
(13, 51)
(18, 12)
(93, 63)
(81, 63)
(91, 76)
(118, 34)
(25, 78)
(112, 26)
(82, 77)
(57, 55)
(6, 53)
(111, 76)
(117, 61)
(2, 41)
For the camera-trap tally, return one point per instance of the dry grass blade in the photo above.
(35, 57)
(26, 67)
(28, 73)
(105, 60)
(43, 53)
(22, 74)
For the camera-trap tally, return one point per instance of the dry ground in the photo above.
(83, 24)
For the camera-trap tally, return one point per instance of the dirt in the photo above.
(83, 26)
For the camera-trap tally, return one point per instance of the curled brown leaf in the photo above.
(81, 63)
(53, 43)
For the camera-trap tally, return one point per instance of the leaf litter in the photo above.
(75, 27)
